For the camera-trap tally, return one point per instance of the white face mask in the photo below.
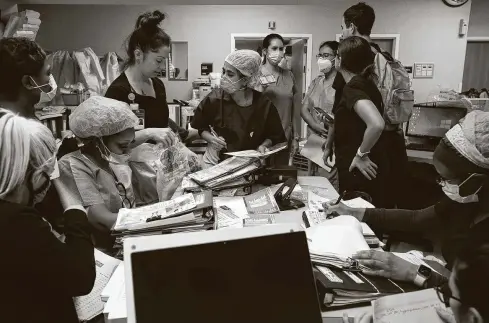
(452, 191)
(275, 57)
(47, 96)
(325, 65)
(229, 86)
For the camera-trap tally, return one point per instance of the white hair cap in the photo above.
(99, 116)
(246, 61)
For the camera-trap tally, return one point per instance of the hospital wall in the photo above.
(428, 29)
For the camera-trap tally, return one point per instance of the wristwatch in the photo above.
(360, 154)
(423, 274)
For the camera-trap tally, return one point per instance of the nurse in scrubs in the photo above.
(236, 117)
(278, 84)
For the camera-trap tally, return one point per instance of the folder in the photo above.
(227, 170)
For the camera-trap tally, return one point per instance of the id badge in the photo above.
(267, 79)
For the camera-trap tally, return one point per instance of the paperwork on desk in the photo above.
(409, 307)
(339, 237)
(256, 154)
(313, 150)
(115, 294)
(91, 305)
(228, 167)
(129, 218)
(232, 211)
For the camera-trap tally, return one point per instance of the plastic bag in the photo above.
(158, 172)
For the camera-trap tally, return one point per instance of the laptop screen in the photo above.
(263, 279)
(433, 122)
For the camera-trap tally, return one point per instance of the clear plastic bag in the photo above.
(158, 171)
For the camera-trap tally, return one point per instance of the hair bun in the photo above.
(150, 20)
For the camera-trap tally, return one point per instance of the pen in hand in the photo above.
(335, 214)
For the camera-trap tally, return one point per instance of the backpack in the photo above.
(394, 85)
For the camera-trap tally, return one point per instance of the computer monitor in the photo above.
(433, 122)
(261, 274)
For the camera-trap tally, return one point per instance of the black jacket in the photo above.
(39, 275)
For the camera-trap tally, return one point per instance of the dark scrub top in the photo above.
(155, 108)
(243, 128)
(349, 132)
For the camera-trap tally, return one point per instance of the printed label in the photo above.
(354, 277)
(330, 275)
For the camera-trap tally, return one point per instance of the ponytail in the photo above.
(369, 73)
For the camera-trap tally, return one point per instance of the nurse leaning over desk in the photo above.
(236, 117)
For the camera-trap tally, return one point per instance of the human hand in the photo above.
(262, 149)
(165, 136)
(319, 129)
(294, 147)
(328, 156)
(218, 143)
(367, 167)
(363, 318)
(445, 315)
(386, 264)
(342, 209)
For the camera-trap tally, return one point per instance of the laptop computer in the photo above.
(257, 274)
(427, 126)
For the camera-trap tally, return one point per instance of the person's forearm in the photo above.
(330, 139)
(141, 137)
(306, 115)
(206, 135)
(395, 220)
(370, 138)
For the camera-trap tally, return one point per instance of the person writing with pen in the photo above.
(236, 117)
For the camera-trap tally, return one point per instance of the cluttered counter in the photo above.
(108, 295)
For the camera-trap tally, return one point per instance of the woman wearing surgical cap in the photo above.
(462, 161)
(236, 117)
(100, 168)
(39, 274)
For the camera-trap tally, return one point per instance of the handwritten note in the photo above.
(407, 308)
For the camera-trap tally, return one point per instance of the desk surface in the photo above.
(324, 188)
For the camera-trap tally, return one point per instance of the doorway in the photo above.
(476, 68)
(386, 42)
(299, 50)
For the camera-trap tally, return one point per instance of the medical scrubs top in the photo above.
(155, 108)
(281, 93)
(243, 128)
(320, 95)
(94, 185)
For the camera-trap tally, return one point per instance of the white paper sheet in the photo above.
(313, 150)
(342, 236)
(116, 280)
(256, 153)
(408, 308)
(91, 305)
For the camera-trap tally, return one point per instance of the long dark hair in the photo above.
(147, 36)
(357, 57)
(268, 40)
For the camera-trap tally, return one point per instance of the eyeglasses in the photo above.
(445, 294)
(126, 203)
(325, 55)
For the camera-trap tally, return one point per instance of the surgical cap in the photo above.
(471, 138)
(99, 117)
(246, 61)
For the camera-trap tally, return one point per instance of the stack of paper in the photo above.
(257, 154)
(91, 305)
(227, 171)
(115, 297)
(186, 213)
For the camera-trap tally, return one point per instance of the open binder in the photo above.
(348, 286)
(226, 171)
